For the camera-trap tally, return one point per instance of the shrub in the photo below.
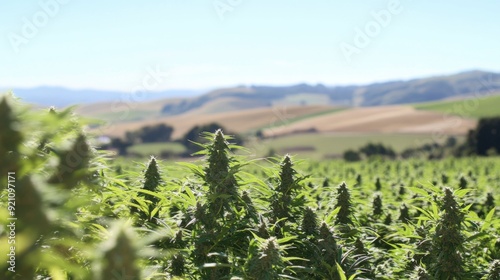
(151, 134)
(351, 156)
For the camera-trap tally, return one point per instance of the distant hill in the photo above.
(62, 97)
(176, 102)
(262, 96)
(431, 89)
(388, 93)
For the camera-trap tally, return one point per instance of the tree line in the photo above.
(162, 133)
(484, 140)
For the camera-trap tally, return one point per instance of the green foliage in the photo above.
(265, 260)
(219, 176)
(151, 183)
(359, 179)
(463, 182)
(485, 139)
(378, 184)
(285, 196)
(344, 204)
(404, 214)
(74, 164)
(494, 270)
(224, 217)
(10, 138)
(351, 155)
(377, 205)
(329, 253)
(372, 149)
(309, 222)
(152, 177)
(421, 274)
(119, 256)
(448, 241)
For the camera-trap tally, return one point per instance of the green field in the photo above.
(475, 108)
(148, 149)
(315, 146)
(319, 146)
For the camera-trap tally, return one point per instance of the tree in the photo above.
(120, 145)
(151, 134)
(195, 135)
(351, 155)
(451, 142)
(486, 136)
(371, 149)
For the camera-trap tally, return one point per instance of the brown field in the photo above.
(235, 121)
(385, 119)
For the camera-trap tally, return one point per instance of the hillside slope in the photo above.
(378, 94)
(487, 106)
(381, 119)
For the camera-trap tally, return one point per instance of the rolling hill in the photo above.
(309, 108)
(389, 93)
(381, 119)
(302, 118)
(486, 106)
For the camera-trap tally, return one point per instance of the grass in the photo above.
(488, 106)
(314, 146)
(148, 149)
(319, 146)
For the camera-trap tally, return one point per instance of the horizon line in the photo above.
(238, 85)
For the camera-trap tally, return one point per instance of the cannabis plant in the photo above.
(344, 203)
(448, 241)
(119, 256)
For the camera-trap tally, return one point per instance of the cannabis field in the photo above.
(70, 211)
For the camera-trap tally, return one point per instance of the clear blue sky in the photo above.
(110, 44)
